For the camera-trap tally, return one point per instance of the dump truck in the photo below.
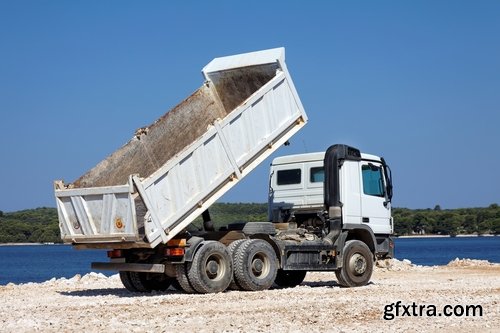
(139, 202)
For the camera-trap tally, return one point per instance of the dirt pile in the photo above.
(399, 298)
(469, 263)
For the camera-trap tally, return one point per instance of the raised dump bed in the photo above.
(171, 171)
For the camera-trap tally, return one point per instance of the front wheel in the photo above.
(357, 265)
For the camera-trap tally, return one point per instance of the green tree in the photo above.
(41, 224)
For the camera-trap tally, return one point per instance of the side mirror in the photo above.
(388, 181)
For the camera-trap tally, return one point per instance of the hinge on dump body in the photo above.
(154, 219)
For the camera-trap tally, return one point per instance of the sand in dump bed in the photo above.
(95, 303)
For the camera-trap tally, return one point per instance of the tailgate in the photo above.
(96, 215)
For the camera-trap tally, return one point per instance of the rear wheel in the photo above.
(182, 278)
(289, 279)
(145, 282)
(211, 270)
(127, 282)
(357, 265)
(175, 284)
(255, 265)
(139, 281)
(233, 247)
(157, 281)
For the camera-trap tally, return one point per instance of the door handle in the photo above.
(366, 220)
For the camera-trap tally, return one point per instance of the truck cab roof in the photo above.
(310, 157)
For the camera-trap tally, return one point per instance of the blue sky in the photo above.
(417, 82)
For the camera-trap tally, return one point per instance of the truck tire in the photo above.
(157, 281)
(145, 282)
(340, 279)
(253, 228)
(357, 265)
(139, 281)
(175, 284)
(233, 247)
(127, 282)
(211, 270)
(289, 279)
(236, 226)
(182, 278)
(255, 265)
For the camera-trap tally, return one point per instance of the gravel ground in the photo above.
(95, 303)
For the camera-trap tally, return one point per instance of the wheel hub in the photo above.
(257, 266)
(358, 264)
(212, 268)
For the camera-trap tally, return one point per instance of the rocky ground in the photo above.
(95, 303)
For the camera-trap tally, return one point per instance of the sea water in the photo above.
(38, 263)
(431, 251)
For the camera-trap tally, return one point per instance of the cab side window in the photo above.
(289, 177)
(317, 175)
(372, 180)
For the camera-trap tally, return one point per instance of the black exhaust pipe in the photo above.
(334, 157)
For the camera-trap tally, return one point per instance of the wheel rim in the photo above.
(215, 267)
(358, 264)
(260, 265)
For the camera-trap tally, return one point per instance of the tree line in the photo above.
(40, 225)
(447, 221)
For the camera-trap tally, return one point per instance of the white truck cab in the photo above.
(360, 186)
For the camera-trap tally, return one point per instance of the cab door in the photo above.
(375, 208)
